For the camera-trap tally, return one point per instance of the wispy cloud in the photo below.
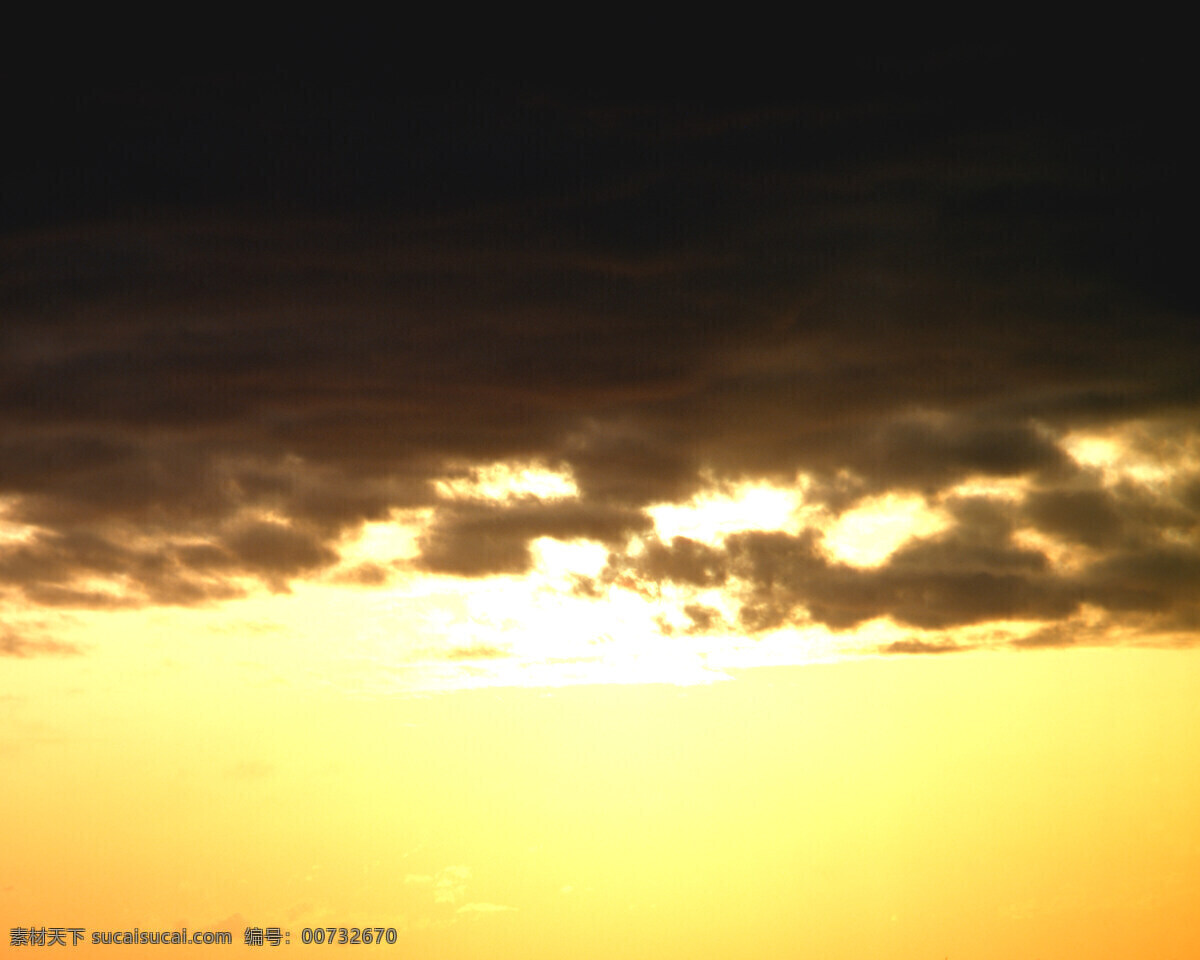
(14, 644)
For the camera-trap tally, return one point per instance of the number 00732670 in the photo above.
(341, 935)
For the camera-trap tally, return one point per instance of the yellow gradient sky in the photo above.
(983, 805)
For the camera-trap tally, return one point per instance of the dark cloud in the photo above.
(277, 550)
(975, 571)
(1156, 579)
(636, 469)
(703, 619)
(932, 454)
(683, 560)
(476, 540)
(1125, 516)
(921, 646)
(980, 539)
(49, 567)
(56, 595)
(970, 575)
(1047, 638)
(1089, 517)
(935, 584)
(1189, 494)
(234, 298)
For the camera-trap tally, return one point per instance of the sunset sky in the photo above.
(559, 522)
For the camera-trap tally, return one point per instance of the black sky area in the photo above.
(310, 288)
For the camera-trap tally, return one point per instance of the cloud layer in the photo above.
(209, 382)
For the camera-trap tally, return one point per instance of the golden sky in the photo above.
(546, 524)
(981, 805)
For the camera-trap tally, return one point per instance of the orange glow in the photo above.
(982, 806)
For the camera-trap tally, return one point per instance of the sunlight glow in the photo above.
(558, 559)
(867, 535)
(714, 514)
(1001, 488)
(391, 539)
(1136, 453)
(507, 480)
(1092, 450)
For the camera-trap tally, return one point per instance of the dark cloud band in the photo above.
(883, 291)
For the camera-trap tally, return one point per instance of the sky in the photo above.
(551, 519)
